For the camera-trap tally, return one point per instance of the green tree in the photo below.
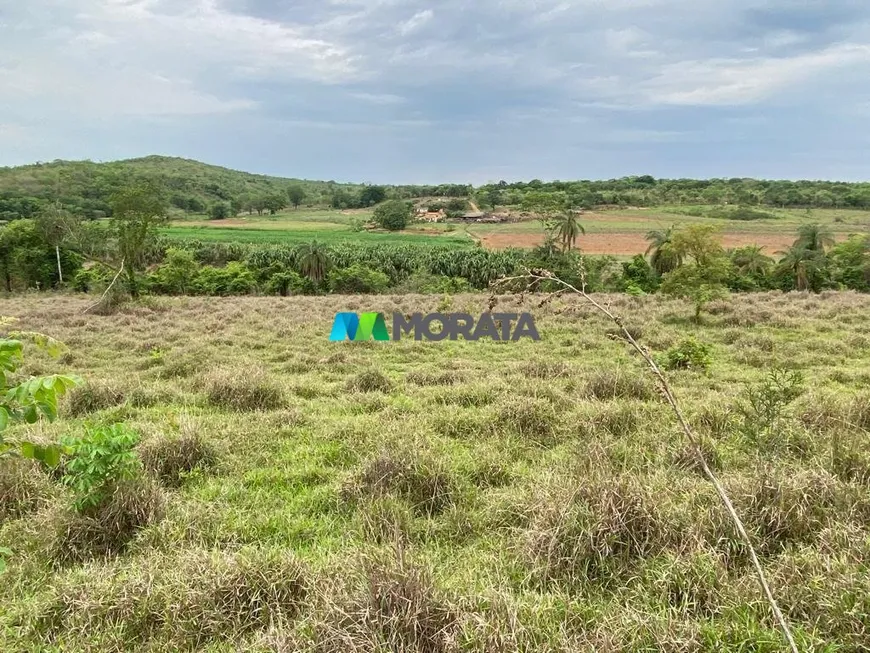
(815, 238)
(314, 261)
(372, 195)
(703, 277)
(137, 214)
(393, 215)
(358, 279)
(296, 195)
(851, 263)
(56, 224)
(567, 228)
(220, 211)
(752, 268)
(802, 269)
(664, 257)
(177, 273)
(27, 259)
(275, 202)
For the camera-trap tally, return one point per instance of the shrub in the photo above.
(288, 283)
(763, 406)
(426, 283)
(356, 280)
(243, 391)
(170, 460)
(689, 354)
(177, 274)
(234, 279)
(91, 397)
(98, 460)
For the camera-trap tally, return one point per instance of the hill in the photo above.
(192, 186)
(85, 187)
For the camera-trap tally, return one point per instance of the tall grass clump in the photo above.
(243, 391)
(179, 603)
(423, 483)
(23, 486)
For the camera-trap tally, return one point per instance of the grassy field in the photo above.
(451, 496)
(618, 232)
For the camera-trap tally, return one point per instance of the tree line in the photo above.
(86, 188)
(59, 248)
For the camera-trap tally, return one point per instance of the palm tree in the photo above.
(815, 238)
(805, 264)
(664, 258)
(314, 261)
(568, 229)
(751, 260)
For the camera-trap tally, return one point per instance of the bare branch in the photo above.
(106, 292)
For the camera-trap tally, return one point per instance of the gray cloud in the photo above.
(576, 74)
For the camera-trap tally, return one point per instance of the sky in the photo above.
(472, 91)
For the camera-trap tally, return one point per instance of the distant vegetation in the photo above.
(60, 244)
(192, 187)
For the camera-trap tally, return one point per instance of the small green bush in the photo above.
(97, 460)
(233, 279)
(689, 354)
(357, 280)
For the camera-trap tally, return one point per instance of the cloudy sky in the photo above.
(454, 90)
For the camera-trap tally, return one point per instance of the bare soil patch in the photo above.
(628, 244)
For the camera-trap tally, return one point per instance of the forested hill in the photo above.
(85, 188)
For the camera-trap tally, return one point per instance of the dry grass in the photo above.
(479, 497)
(178, 603)
(23, 486)
(422, 483)
(92, 397)
(172, 459)
(243, 391)
(108, 528)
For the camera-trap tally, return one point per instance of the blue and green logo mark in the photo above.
(350, 326)
(500, 327)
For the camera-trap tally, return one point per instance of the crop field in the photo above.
(303, 495)
(620, 232)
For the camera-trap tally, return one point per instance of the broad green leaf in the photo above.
(48, 455)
